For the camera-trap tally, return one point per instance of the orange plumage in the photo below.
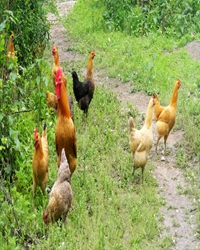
(165, 116)
(56, 62)
(40, 160)
(11, 46)
(65, 130)
(56, 65)
(89, 73)
(52, 103)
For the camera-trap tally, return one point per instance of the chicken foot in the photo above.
(165, 143)
(134, 168)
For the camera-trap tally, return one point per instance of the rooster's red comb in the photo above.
(58, 74)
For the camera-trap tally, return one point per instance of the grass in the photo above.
(110, 209)
(150, 64)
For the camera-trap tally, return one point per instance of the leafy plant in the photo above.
(143, 17)
(29, 22)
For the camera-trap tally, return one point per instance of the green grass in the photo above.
(150, 64)
(110, 208)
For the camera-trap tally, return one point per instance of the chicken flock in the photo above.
(140, 140)
(60, 198)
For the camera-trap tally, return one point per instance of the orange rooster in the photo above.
(56, 65)
(141, 140)
(165, 116)
(84, 91)
(40, 160)
(60, 195)
(52, 102)
(65, 130)
(11, 47)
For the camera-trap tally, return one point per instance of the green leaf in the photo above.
(1, 117)
(182, 29)
(37, 80)
(17, 143)
(150, 65)
(13, 75)
(2, 25)
(10, 120)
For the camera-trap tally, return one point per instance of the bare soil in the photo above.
(178, 212)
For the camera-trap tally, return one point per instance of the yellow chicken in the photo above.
(11, 46)
(40, 160)
(51, 100)
(141, 140)
(165, 116)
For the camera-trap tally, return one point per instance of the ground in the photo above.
(179, 211)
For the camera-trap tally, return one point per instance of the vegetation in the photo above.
(142, 17)
(27, 18)
(111, 210)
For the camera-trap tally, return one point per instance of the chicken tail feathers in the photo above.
(64, 171)
(63, 156)
(44, 129)
(131, 124)
(45, 126)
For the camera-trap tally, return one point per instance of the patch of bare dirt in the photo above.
(178, 212)
(193, 49)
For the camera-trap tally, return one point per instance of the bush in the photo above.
(20, 94)
(27, 18)
(142, 17)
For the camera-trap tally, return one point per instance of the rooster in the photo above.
(165, 116)
(11, 46)
(52, 102)
(56, 65)
(84, 91)
(60, 195)
(65, 130)
(141, 140)
(40, 160)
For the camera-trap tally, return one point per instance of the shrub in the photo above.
(29, 22)
(142, 17)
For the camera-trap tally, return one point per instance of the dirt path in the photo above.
(179, 220)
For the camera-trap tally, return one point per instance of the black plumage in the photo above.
(83, 91)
